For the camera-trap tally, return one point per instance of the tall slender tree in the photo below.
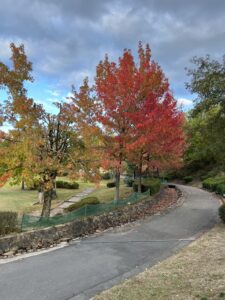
(115, 86)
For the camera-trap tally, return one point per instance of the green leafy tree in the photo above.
(208, 82)
(205, 124)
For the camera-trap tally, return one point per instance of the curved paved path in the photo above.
(90, 265)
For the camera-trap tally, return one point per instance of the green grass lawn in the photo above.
(105, 194)
(12, 198)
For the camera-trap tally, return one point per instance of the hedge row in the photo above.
(111, 184)
(215, 184)
(67, 185)
(8, 222)
(210, 174)
(187, 179)
(152, 184)
(106, 176)
(81, 203)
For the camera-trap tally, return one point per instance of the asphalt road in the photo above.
(90, 265)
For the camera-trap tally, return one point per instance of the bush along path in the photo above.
(60, 208)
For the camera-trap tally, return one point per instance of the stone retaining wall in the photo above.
(48, 237)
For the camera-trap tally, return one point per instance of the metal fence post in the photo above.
(21, 226)
(136, 196)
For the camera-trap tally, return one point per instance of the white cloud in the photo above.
(76, 78)
(176, 31)
(67, 98)
(184, 101)
(53, 93)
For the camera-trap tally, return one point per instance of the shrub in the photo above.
(203, 177)
(170, 176)
(129, 181)
(67, 185)
(210, 174)
(60, 184)
(188, 179)
(215, 184)
(176, 174)
(222, 212)
(209, 183)
(213, 173)
(8, 222)
(81, 203)
(111, 184)
(220, 189)
(106, 176)
(149, 183)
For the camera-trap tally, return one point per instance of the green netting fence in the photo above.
(31, 222)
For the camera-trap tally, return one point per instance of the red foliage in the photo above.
(138, 113)
(4, 178)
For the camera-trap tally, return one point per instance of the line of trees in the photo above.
(128, 115)
(205, 124)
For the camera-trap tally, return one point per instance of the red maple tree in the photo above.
(138, 114)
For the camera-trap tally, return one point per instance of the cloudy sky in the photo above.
(65, 39)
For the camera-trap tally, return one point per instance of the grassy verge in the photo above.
(196, 272)
(105, 194)
(13, 199)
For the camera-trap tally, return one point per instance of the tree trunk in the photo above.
(22, 185)
(41, 197)
(48, 185)
(140, 175)
(158, 175)
(117, 190)
(139, 184)
(54, 192)
(47, 203)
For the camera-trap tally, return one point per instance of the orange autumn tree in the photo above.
(82, 109)
(18, 111)
(116, 89)
(100, 113)
(39, 145)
